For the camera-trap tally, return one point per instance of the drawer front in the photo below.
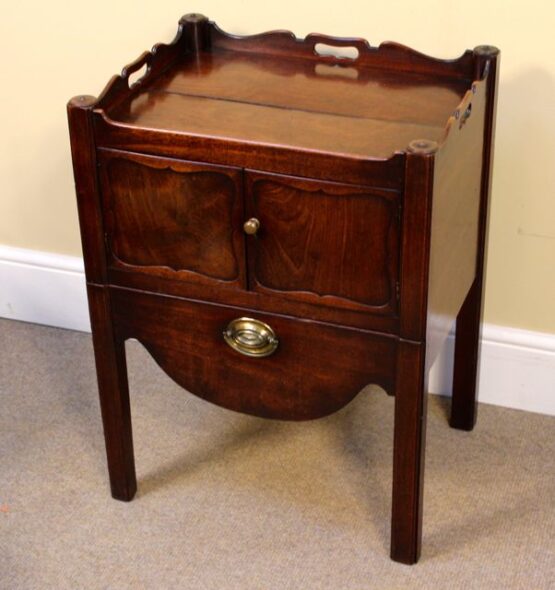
(324, 243)
(311, 370)
(173, 218)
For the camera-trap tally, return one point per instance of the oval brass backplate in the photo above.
(251, 337)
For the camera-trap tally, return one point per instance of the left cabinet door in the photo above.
(173, 219)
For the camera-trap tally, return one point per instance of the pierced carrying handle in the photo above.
(143, 60)
(360, 45)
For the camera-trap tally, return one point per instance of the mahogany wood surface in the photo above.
(292, 160)
(167, 216)
(333, 257)
(408, 452)
(305, 378)
(415, 241)
(79, 111)
(300, 304)
(389, 56)
(113, 389)
(261, 124)
(212, 95)
(455, 218)
(469, 320)
(370, 178)
(346, 90)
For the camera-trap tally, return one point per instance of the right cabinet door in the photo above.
(323, 242)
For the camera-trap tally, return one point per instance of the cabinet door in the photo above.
(322, 242)
(172, 218)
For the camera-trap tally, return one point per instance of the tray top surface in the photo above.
(295, 103)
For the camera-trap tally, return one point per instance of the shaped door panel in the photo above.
(173, 218)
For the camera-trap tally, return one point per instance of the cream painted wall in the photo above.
(54, 50)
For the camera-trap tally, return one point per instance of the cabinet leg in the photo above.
(111, 369)
(408, 453)
(467, 352)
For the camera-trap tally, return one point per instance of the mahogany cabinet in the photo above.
(281, 224)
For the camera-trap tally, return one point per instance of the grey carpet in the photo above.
(233, 502)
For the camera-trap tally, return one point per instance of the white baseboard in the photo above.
(517, 366)
(517, 369)
(43, 288)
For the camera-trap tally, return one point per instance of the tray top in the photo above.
(276, 90)
(294, 103)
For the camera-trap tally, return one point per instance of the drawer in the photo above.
(315, 369)
(172, 218)
(322, 242)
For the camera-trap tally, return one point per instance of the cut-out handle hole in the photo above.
(336, 70)
(465, 116)
(325, 50)
(137, 76)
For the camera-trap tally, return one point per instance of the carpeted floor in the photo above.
(232, 502)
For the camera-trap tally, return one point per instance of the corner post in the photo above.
(409, 442)
(83, 152)
(113, 391)
(469, 320)
(410, 382)
(109, 349)
(196, 32)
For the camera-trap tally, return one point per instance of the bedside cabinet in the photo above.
(280, 224)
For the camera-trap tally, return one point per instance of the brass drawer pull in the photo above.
(251, 337)
(251, 226)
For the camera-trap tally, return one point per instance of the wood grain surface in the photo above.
(370, 178)
(329, 243)
(165, 215)
(308, 376)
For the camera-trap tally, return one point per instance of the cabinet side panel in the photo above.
(455, 218)
(469, 320)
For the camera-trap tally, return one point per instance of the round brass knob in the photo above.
(251, 337)
(251, 226)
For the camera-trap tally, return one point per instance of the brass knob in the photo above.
(251, 226)
(251, 337)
